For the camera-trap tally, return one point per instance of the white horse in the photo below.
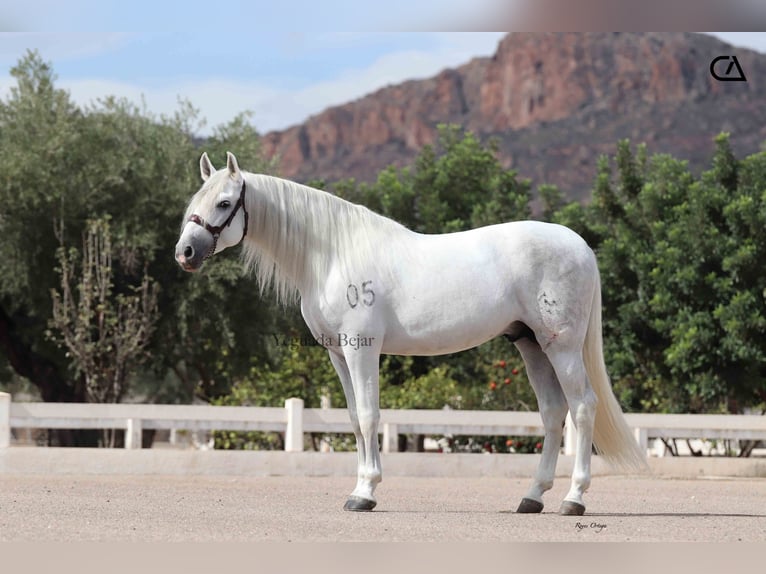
(368, 285)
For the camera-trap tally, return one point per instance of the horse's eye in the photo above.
(224, 204)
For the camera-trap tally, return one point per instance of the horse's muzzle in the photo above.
(185, 263)
(192, 252)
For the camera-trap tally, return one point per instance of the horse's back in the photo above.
(549, 246)
(455, 291)
(532, 237)
(526, 250)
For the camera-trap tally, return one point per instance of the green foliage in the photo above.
(238, 136)
(104, 332)
(301, 369)
(456, 185)
(61, 166)
(683, 288)
(432, 390)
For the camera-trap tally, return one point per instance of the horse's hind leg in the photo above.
(553, 409)
(570, 369)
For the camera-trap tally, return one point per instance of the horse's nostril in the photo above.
(189, 252)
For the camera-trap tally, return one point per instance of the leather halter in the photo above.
(215, 230)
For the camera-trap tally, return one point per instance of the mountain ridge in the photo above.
(553, 101)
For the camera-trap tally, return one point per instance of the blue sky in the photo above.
(282, 78)
(239, 56)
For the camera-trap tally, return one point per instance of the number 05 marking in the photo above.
(352, 295)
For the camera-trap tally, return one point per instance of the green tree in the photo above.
(104, 332)
(683, 295)
(457, 184)
(61, 166)
(39, 131)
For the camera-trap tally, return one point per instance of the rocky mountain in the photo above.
(553, 101)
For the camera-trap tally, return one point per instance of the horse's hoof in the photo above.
(359, 504)
(569, 508)
(529, 506)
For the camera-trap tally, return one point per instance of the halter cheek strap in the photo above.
(215, 230)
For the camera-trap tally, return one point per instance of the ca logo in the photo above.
(728, 76)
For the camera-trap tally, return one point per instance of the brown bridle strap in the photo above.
(215, 230)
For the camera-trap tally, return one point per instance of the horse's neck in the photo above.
(294, 235)
(304, 233)
(299, 208)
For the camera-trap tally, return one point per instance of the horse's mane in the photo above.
(297, 234)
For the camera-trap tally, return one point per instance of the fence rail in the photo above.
(293, 420)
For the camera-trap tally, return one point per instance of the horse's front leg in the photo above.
(341, 367)
(363, 366)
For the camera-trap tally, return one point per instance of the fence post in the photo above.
(570, 436)
(642, 437)
(133, 429)
(5, 420)
(294, 431)
(390, 437)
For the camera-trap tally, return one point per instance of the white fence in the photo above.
(293, 420)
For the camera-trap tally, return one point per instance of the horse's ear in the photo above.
(206, 168)
(231, 163)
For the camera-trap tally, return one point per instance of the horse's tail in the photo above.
(612, 437)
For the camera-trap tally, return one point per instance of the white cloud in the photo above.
(218, 100)
(61, 46)
(278, 108)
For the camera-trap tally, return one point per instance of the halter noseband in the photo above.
(215, 230)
